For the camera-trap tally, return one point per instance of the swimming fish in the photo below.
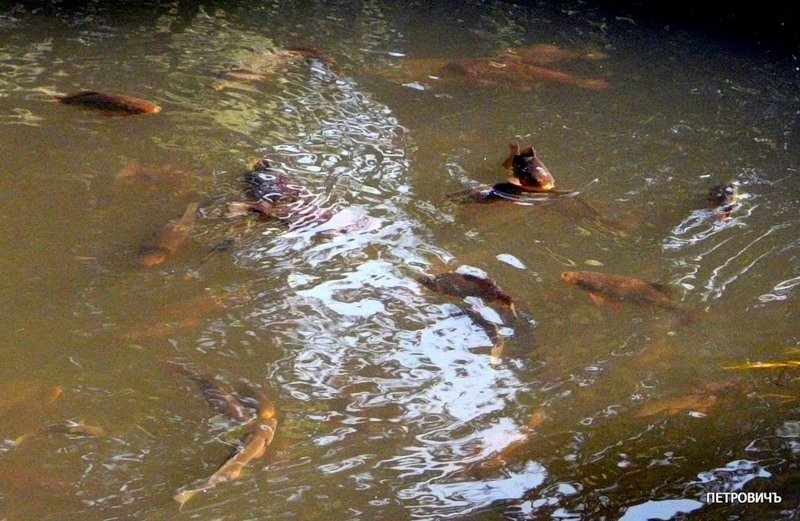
(270, 64)
(80, 428)
(115, 103)
(545, 54)
(528, 170)
(172, 237)
(254, 447)
(218, 395)
(466, 285)
(624, 288)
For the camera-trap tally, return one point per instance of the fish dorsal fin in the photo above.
(527, 152)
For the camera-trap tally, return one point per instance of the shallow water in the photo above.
(391, 402)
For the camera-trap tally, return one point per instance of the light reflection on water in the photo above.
(388, 397)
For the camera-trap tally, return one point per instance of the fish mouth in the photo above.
(568, 276)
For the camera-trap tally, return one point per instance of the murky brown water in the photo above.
(387, 395)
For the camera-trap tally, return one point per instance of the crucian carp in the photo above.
(519, 69)
(528, 170)
(172, 237)
(246, 405)
(112, 103)
(466, 285)
(615, 287)
(253, 447)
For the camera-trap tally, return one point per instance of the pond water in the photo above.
(393, 401)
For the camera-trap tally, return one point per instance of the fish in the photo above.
(528, 170)
(218, 396)
(187, 315)
(517, 75)
(701, 401)
(466, 285)
(80, 428)
(243, 208)
(601, 285)
(723, 198)
(155, 177)
(26, 398)
(546, 54)
(267, 65)
(254, 447)
(172, 238)
(115, 103)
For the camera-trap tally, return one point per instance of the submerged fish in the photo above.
(110, 103)
(254, 447)
(545, 54)
(270, 64)
(80, 428)
(466, 285)
(218, 395)
(700, 401)
(172, 237)
(624, 288)
(520, 76)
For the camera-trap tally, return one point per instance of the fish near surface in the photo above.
(218, 397)
(723, 198)
(546, 54)
(466, 285)
(254, 447)
(172, 237)
(270, 64)
(514, 74)
(625, 288)
(114, 103)
(528, 170)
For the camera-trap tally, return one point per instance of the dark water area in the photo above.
(394, 401)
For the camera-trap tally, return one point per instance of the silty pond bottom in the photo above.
(394, 401)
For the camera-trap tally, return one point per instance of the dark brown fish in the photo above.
(466, 285)
(218, 395)
(723, 198)
(702, 400)
(116, 103)
(528, 170)
(624, 288)
(172, 237)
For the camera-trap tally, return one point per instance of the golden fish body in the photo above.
(621, 288)
(172, 237)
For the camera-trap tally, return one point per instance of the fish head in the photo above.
(570, 277)
(531, 172)
(723, 194)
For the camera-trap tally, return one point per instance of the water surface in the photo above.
(389, 399)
